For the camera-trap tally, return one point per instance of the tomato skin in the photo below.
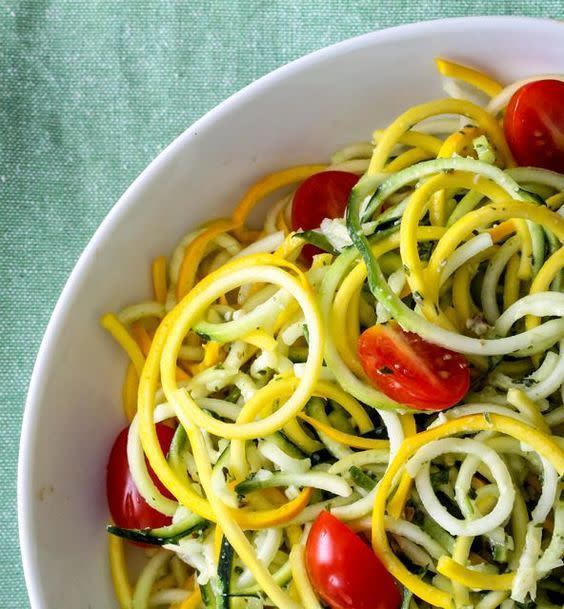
(323, 195)
(411, 370)
(534, 124)
(344, 570)
(128, 509)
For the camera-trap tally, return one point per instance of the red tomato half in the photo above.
(128, 509)
(323, 195)
(344, 570)
(412, 371)
(534, 125)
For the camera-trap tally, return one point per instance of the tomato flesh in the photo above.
(534, 124)
(411, 370)
(128, 509)
(343, 569)
(323, 195)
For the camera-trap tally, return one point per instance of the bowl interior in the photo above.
(300, 113)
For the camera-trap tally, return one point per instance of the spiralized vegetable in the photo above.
(250, 353)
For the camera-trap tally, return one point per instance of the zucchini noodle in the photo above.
(247, 349)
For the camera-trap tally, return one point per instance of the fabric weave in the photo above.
(90, 92)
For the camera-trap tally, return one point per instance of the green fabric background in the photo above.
(90, 92)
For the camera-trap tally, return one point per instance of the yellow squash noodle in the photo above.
(278, 389)
(231, 529)
(406, 159)
(427, 142)
(118, 570)
(398, 501)
(188, 313)
(265, 519)
(266, 186)
(442, 106)
(158, 272)
(352, 284)
(148, 383)
(194, 254)
(129, 392)
(472, 579)
(192, 601)
(114, 326)
(427, 283)
(345, 438)
(470, 75)
(486, 215)
(450, 246)
(461, 297)
(539, 441)
(542, 281)
(455, 144)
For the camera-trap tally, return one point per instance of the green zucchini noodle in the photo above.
(248, 351)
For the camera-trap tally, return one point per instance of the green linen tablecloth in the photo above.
(90, 92)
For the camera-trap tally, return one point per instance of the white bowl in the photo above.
(299, 113)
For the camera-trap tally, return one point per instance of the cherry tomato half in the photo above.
(128, 509)
(534, 125)
(412, 371)
(344, 570)
(323, 195)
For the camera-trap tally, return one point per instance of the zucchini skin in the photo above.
(208, 598)
(286, 445)
(224, 569)
(318, 239)
(158, 537)
(215, 593)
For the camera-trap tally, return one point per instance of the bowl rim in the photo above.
(29, 428)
